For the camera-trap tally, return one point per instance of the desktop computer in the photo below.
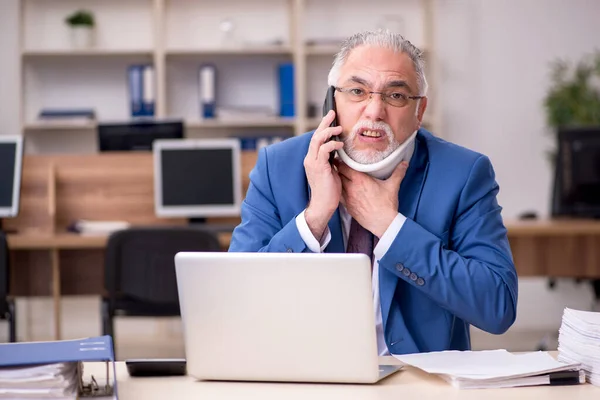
(137, 135)
(11, 161)
(576, 189)
(197, 178)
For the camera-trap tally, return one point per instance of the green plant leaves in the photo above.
(81, 18)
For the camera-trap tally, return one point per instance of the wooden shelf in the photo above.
(59, 126)
(88, 53)
(321, 49)
(249, 122)
(312, 123)
(176, 36)
(224, 51)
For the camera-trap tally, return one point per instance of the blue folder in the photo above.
(25, 354)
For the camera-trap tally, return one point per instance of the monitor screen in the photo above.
(11, 158)
(577, 175)
(136, 135)
(197, 178)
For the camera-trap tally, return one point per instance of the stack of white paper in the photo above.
(491, 368)
(579, 341)
(86, 227)
(49, 381)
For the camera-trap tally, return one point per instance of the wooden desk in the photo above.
(70, 241)
(540, 248)
(54, 243)
(408, 383)
(556, 248)
(57, 190)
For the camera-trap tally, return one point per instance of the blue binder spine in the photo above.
(135, 79)
(286, 90)
(100, 348)
(207, 86)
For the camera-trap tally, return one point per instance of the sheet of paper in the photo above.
(485, 365)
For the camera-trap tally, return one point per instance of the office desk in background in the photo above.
(408, 383)
(567, 248)
(540, 248)
(55, 244)
(57, 190)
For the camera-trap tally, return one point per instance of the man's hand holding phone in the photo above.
(323, 179)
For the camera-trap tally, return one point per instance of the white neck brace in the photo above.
(384, 168)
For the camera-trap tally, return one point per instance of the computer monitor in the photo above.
(11, 161)
(197, 178)
(137, 135)
(577, 174)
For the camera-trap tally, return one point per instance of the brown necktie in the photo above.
(360, 240)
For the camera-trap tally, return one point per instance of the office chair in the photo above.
(7, 305)
(140, 275)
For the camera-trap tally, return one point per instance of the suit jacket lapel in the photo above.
(412, 184)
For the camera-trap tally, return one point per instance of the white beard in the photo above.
(369, 156)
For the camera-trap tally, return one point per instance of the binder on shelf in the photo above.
(286, 90)
(207, 82)
(141, 90)
(60, 113)
(71, 116)
(54, 369)
(148, 90)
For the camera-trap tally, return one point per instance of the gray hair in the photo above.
(385, 39)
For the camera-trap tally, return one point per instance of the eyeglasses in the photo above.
(390, 96)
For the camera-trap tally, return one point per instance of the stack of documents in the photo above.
(54, 370)
(60, 380)
(579, 341)
(495, 368)
(95, 228)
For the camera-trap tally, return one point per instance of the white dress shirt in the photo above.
(379, 251)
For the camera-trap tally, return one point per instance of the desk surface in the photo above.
(39, 241)
(407, 383)
(552, 227)
(65, 241)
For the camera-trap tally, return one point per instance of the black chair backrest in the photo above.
(4, 274)
(140, 261)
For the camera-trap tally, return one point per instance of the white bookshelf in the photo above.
(177, 36)
(232, 51)
(40, 54)
(240, 122)
(59, 126)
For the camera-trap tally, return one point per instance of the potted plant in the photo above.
(573, 100)
(82, 25)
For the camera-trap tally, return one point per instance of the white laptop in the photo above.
(279, 317)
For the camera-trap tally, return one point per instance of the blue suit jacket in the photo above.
(449, 266)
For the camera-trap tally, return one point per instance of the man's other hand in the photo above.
(373, 203)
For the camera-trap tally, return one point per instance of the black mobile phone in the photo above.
(156, 367)
(329, 104)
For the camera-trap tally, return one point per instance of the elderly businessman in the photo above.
(424, 209)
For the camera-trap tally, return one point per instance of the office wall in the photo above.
(9, 68)
(494, 58)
